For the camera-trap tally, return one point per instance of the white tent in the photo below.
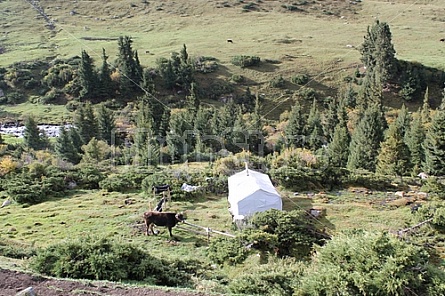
(251, 192)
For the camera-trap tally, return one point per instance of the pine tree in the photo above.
(129, 67)
(294, 129)
(106, 125)
(192, 101)
(434, 145)
(313, 129)
(425, 112)
(403, 120)
(32, 135)
(145, 144)
(88, 78)
(86, 123)
(106, 88)
(393, 158)
(64, 147)
(414, 138)
(378, 54)
(338, 148)
(365, 140)
(330, 119)
(75, 139)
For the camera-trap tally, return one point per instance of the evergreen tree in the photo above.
(106, 125)
(414, 138)
(129, 67)
(378, 54)
(106, 87)
(294, 129)
(75, 139)
(255, 129)
(145, 144)
(95, 151)
(86, 123)
(365, 140)
(338, 148)
(371, 91)
(425, 112)
(64, 147)
(192, 102)
(32, 135)
(403, 121)
(434, 145)
(330, 118)
(180, 140)
(88, 78)
(313, 129)
(393, 158)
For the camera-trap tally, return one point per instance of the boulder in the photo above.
(27, 292)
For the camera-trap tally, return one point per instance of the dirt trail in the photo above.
(12, 282)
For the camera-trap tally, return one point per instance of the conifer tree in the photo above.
(145, 144)
(106, 125)
(75, 139)
(192, 101)
(32, 136)
(393, 158)
(378, 54)
(86, 123)
(313, 129)
(414, 138)
(129, 67)
(425, 112)
(106, 88)
(338, 148)
(64, 147)
(330, 118)
(365, 140)
(295, 127)
(88, 78)
(434, 145)
(403, 120)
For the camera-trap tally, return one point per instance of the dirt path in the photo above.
(12, 282)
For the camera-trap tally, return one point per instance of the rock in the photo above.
(27, 292)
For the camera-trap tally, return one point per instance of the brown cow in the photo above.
(169, 220)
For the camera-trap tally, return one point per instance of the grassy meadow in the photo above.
(322, 41)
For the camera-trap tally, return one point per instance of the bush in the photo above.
(276, 278)
(102, 259)
(277, 82)
(223, 250)
(300, 79)
(88, 176)
(205, 64)
(237, 78)
(371, 263)
(245, 61)
(307, 93)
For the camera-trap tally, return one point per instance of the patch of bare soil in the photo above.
(12, 282)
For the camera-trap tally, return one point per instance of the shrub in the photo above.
(277, 82)
(237, 78)
(102, 259)
(88, 176)
(371, 263)
(223, 250)
(245, 61)
(300, 79)
(307, 93)
(12, 250)
(205, 64)
(276, 278)
(15, 97)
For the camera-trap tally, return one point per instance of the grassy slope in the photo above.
(322, 51)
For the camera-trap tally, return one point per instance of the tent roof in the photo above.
(247, 182)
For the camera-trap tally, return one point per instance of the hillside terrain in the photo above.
(186, 93)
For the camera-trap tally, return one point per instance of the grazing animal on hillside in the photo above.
(161, 219)
(442, 40)
(230, 40)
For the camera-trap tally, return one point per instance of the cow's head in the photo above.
(179, 217)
